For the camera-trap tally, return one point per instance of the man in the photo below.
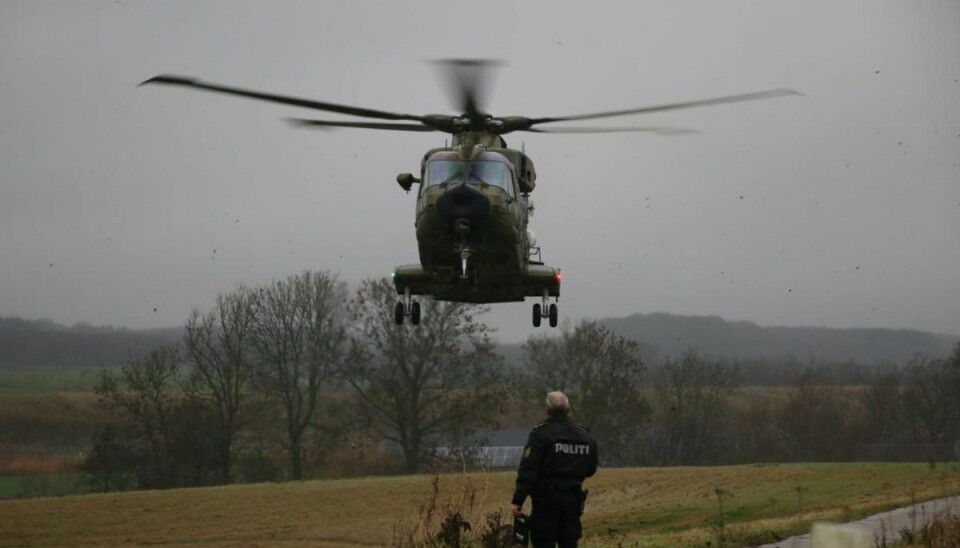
(559, 455)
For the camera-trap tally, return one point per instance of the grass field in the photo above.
(38, 380)
(10, 487)
(41, 485)
(29, 476)
(629, 507)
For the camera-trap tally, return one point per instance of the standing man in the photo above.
(559, 455)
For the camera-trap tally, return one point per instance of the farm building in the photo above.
(489, 448)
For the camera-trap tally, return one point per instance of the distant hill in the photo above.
(42, 342)
(716, 337)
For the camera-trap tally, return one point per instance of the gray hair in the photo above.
(557, 403)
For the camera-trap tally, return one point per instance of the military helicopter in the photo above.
(473, 203)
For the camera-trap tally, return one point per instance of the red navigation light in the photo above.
(558, 276)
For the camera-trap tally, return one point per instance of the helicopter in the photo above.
(473, 202)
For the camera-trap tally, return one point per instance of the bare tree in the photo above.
(818, 418)
(602, 372)
(218, 347)
(144, 393)
(693, 397)
(758, 436)
(155, 431)
(415, 383)
(299, 337)
(884, 420)
(548, 364)
(930, 399)
(953, 368)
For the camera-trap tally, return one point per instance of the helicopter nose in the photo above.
(463, 206)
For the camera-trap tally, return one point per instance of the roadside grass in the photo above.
(762, 503)
(942, 532)
(627, 507)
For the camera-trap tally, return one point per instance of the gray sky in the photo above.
(130, 206)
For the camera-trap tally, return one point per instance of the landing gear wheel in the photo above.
(415, 313)
(398, 313)
(537, 316)
(554, 315)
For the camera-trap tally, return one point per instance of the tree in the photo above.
(929, 399)
(817, 417)
(758, 436)
(694, 407)
(219, 348)
(952, 363)
(113, 460)
(884, 419)
(602, 372)
(157, 433)
(299, 337)
(416, 383)
(143, 394)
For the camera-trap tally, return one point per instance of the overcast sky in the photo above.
(131, 206)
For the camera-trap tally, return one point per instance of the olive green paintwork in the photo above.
(501, 258)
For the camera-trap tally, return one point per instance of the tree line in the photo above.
(274, 382)
(42, 342)
(285, 373)
(714, 336)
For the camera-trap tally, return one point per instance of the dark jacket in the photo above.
(558, 453)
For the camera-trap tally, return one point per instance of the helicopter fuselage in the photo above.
(472, 214)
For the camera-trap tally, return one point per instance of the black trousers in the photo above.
(555, 520)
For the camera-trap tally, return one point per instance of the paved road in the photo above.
(885, 524)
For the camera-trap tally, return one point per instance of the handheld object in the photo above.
(521, 529)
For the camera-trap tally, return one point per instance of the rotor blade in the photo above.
(362, 125)
(769, 94)
(466, 81)
(657, 130)
(306, 103)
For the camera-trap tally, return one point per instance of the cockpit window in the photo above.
(445, 171)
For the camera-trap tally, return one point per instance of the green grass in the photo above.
(10, 487)
(41, 485)
(42, 380)
(648, 507)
